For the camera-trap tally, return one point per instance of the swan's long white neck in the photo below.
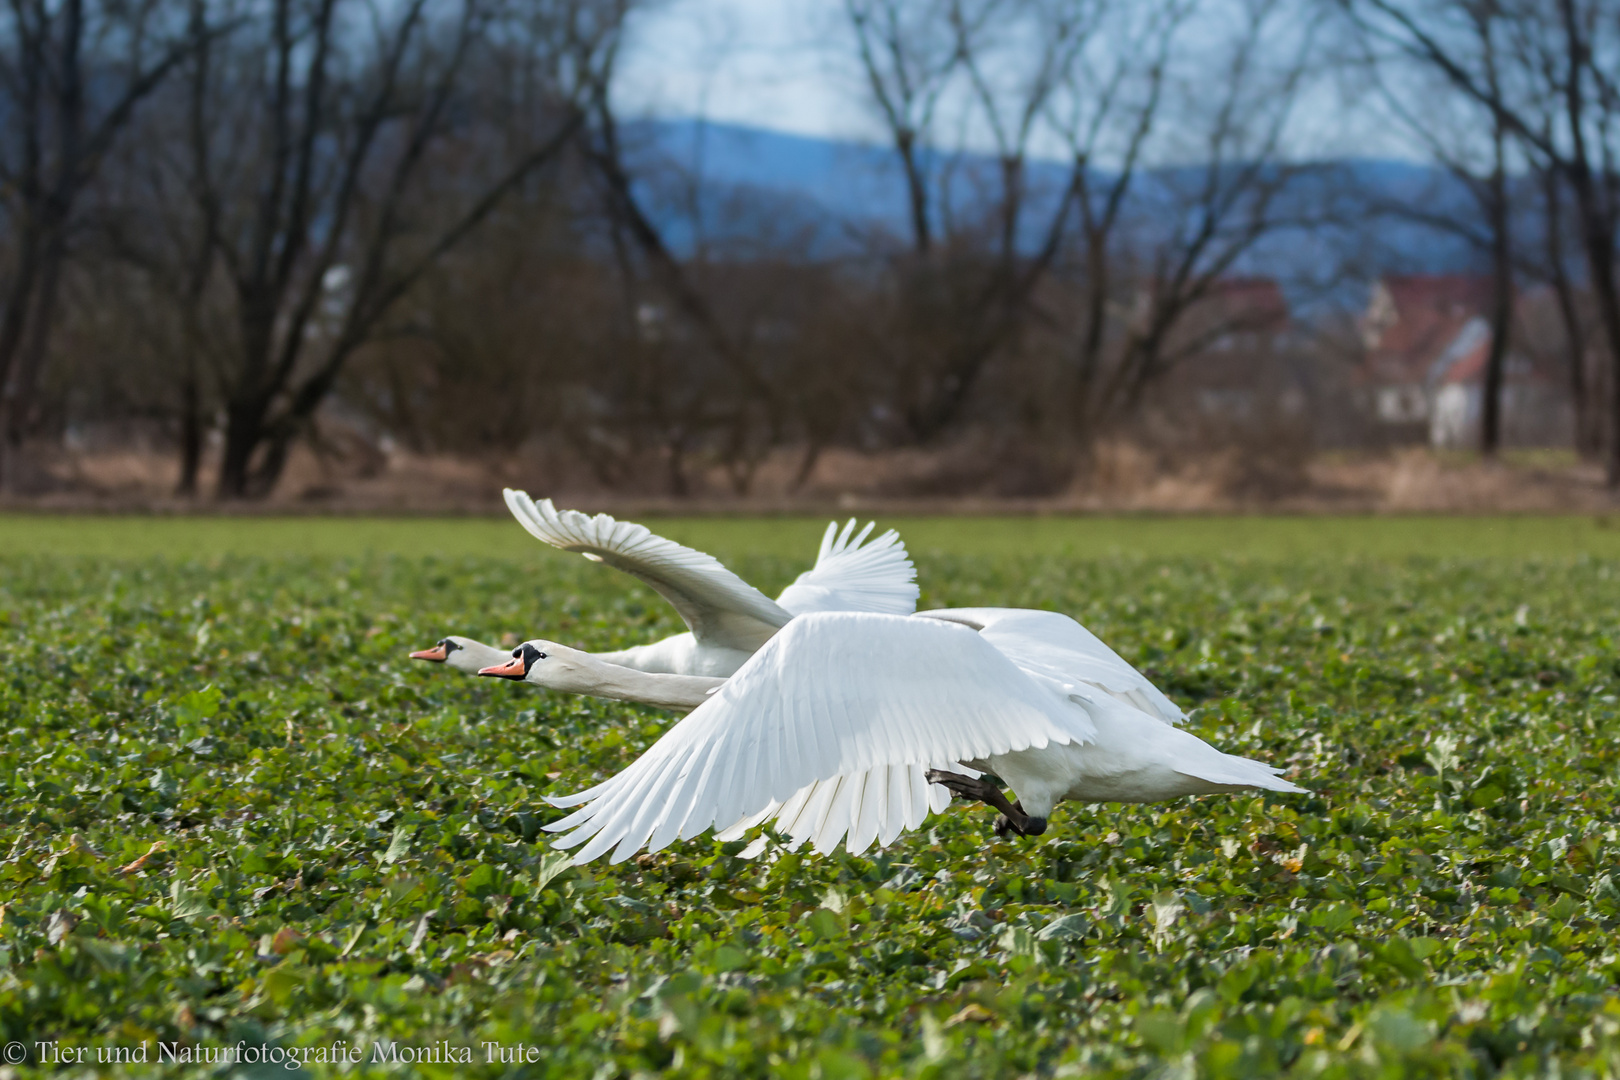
(579, 672)
(470, 655)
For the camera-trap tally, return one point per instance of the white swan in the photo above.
(853, 724)
(557, 667)
(727, 617)
(462, 653)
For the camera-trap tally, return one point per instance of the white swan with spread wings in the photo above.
(853, 725)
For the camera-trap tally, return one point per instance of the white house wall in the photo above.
(1455, 417)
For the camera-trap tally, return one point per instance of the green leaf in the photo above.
(727, 958)
(187, 903)
(399, 845)
(553, 865)
(1069, 926)
(201, 704)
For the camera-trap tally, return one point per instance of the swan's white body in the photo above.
(831, 726)
(728, 618)
(679, 654)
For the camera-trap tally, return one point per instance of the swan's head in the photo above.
(439, 652)
(546, 663)
(462, 653)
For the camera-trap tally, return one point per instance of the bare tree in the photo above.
(1156, 244)
(1106, 111)
(694, 371)
(1471, 145)
(72, 74)
(337, 158)
(1554, 268)
(961, 292)
(154, 234)
(1559, 99)
(909, 50)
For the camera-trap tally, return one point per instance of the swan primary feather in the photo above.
(828, 727)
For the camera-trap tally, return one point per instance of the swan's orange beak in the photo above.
(512, 669)
(438, 654)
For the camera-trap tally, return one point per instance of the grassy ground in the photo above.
(349, 841)
(795, 538)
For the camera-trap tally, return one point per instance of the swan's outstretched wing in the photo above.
(1053, 645)
(720, 608)
(876, 805)
(853, 575)
(834, 696)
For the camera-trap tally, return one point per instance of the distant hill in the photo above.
(757, 186)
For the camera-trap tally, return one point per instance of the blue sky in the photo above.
(765, 63)
(785, 65)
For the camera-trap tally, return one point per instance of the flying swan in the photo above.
(727, 618)
(853, 726)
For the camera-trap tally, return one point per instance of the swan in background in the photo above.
(462, 653)
(845, 724)
(727, 617)
(557, 667)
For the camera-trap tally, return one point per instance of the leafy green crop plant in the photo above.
(236, 815)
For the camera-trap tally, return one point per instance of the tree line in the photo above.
(236, 220)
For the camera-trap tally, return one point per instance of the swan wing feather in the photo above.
(836, 718)
(853, 573)
(720, 608)
(1049, 644)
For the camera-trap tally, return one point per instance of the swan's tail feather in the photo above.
(1235, 771)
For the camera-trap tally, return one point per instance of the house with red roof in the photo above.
(1427, 338)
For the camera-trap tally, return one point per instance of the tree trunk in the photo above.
(1490, 420)
(1586, 440)
(916, 192)
(676, 449)
(14, 320)
(191, 436)
(52, 204)
(807, 464)
(1600, 246)
(25, 375)
(16, 406)
(1596, 206)
(1092, 341)
(244, 422)
(272, 462)
(248, 402)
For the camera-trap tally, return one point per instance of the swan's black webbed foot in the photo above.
(1023, 824)
(1012, 817)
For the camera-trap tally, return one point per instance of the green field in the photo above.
(350, 849)
(794, 539)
